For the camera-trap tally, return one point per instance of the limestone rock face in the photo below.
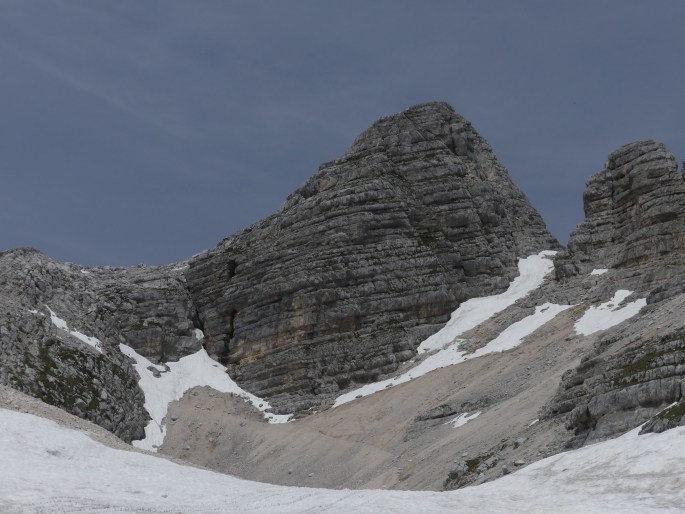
(630, 376)
(365, 259)
(146, 308)
(634, 226)
(635, 219)
(361, 263)
(47, 362)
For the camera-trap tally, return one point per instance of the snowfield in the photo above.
(48, 468)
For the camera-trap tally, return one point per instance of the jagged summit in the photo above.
(633, 236)
(433, 121)
(429, 127)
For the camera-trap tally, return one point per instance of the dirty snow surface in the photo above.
(446, 343)
(49, 468)
(609, 314)
(174, 379)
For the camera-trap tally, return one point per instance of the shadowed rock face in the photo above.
(364, 259)
(40, 359)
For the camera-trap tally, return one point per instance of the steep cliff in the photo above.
(635, 221)
(365, 259)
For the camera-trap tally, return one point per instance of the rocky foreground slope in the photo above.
(341, 286)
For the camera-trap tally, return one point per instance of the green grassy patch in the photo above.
(472, 464)
(675, 412)
(626, 376)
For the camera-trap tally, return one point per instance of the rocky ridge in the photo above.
(365, 260)
(635, 220)
(147, 308)
(361, 263)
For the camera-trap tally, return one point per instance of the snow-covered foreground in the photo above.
(174, 379)
(609, 314)
(48, 468)
(470, 314)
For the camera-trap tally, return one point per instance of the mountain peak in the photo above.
(635, 215)
(429, 127)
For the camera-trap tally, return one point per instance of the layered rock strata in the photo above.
(147, 308)
(634, 221)
(631, 376)
(360, 264)
(365, 259)
(634, 226)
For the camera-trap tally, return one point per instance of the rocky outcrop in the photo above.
(631, 376)
(364, 260)
(635, 221)
(147, 308)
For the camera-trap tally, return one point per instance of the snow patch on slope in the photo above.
(60, 323)
(51, 469)
(473, 312)
(462, 419)
(513, 335)
(469, 315)
(608, 314)
(175, 378)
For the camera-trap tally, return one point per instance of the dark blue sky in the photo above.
(145, 131)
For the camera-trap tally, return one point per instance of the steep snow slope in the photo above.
(48, 468)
